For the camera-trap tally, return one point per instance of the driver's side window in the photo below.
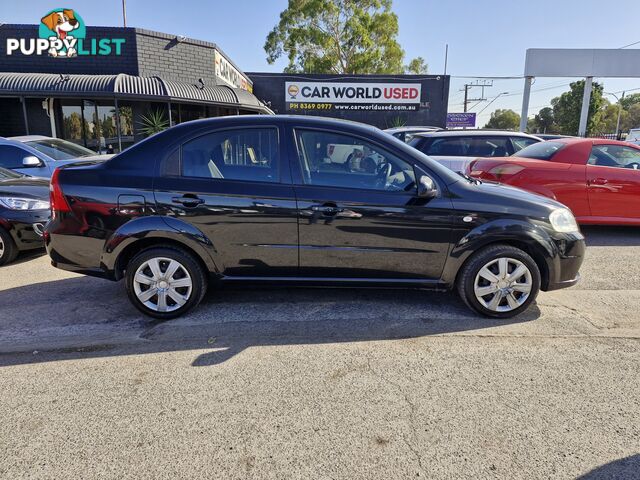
(615, 156)
(337, 160)
(11, 157)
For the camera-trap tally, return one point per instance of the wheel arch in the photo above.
(147, 232)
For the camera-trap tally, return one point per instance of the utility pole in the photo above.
(482, 84)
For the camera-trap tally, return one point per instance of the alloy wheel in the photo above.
(162, 284)
(1, 247)
(503, 284)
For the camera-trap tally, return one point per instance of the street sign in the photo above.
(458, 120)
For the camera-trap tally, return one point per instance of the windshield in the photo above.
(541, 150)
(9, 174)
(60, 149)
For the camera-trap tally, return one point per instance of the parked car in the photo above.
(406, 133)
(38, 156)
(24, 210)
(551, 136)
(456, 148)
(189, 205)
(634, 136)
(598, 179)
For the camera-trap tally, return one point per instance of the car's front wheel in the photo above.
(165, 282)
(8, 248)
(499, 281)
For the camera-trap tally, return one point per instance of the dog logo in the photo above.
(293, 90)
(62, 27)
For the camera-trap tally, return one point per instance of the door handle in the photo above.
(327, 210)
(599, 181)
(188, 200)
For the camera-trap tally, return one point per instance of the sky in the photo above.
(487, 38)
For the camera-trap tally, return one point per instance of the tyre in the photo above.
(499, 281)
(165, 282)
(8, 248)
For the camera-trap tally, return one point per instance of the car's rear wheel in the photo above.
(499, 281)
(8, 248)
(165, 282)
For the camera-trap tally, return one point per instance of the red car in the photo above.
(599, 180)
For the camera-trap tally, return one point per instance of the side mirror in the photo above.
(427, 187)
(31, 161)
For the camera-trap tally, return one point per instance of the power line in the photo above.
(631, 44)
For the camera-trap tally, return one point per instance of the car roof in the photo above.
(29, 138)
(424, 128)
(593, 141)
(475, 133)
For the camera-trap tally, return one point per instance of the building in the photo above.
(118, 85)
(381, 100)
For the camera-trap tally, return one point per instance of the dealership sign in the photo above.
(352, 96)
(230, 75)
(458, 120)
(62, 34)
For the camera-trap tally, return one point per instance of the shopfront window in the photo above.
(72, 123)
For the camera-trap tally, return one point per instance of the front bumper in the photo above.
(567, 258)
(25, 227)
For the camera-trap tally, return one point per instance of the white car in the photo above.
(456, 148)
(634, 136)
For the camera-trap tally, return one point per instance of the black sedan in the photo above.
(270, 199)
(24, 210)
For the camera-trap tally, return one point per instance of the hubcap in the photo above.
(162, 284)
(503, 284)
(1, 248)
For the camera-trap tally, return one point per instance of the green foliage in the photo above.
(337, 36)
(629, 100)
(504, 119)
(545, 120)
(417, 66)
(153, 122)
(567, 107)
(397, 122)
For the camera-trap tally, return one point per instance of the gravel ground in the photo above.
(322, 383)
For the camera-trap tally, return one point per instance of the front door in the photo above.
(359, 214)
(12, 156)
(613, 181)
(229, 186)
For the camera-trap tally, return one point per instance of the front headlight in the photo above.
(562, 220)
(16, 203)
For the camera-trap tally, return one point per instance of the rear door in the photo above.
(234, 186)
(613, 181)
(363, 219)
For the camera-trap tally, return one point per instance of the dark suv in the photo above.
(271, 199)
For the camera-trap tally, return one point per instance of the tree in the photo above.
(544, 120)
(607, 118)
(630, 100)
(417, 66)
(338, 36)
(504, 119)
(567, 107)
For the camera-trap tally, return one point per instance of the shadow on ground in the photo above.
(84, 318)
(623, 469)
(610, 236)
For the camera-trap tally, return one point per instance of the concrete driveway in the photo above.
(322, 383)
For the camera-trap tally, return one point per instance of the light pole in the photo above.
(619, 111)
(124, 12)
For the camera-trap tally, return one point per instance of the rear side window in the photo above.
(615, 156)
(541, 150)
(471, 146)
(522, 142)
(11, 157)
(249, 154)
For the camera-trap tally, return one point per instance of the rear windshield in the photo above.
(60, 149)
(541, 150)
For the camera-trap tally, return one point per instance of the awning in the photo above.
(123, 86)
